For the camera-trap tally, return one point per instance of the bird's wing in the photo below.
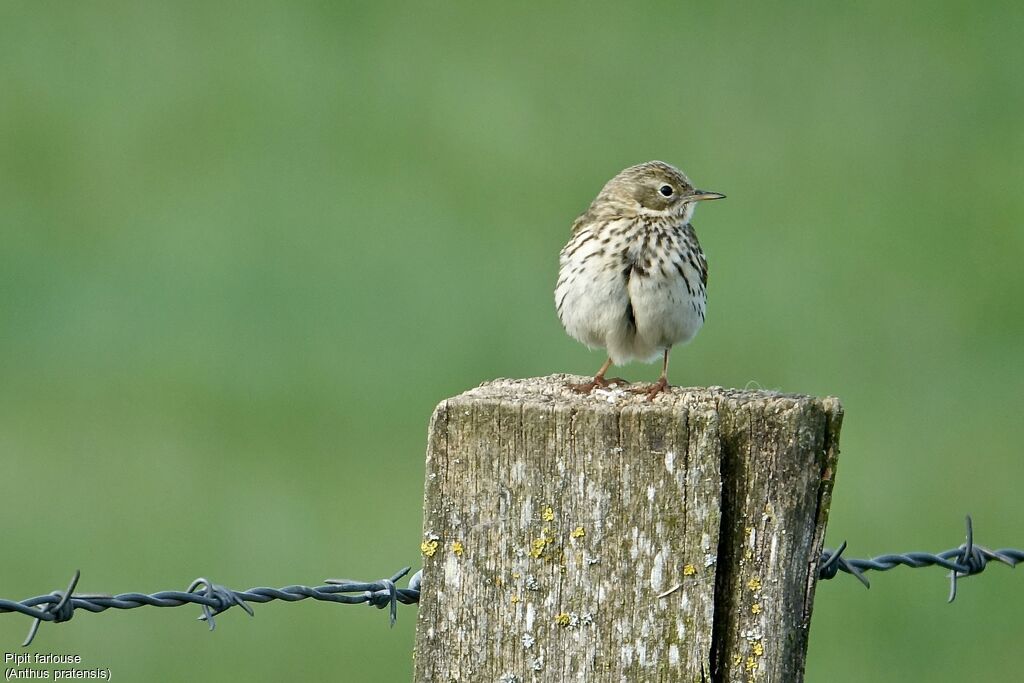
(699, 261)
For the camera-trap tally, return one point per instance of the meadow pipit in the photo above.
(633, 278)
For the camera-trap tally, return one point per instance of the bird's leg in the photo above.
(605, 383)
(662, 384)
(598, 381)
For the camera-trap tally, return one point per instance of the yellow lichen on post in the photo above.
(538, 545)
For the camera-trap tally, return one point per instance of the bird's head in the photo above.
(654, 188)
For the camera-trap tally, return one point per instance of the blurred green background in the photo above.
(247, 247)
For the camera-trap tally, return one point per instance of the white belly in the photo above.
(667, 313)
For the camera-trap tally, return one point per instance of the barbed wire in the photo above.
(59, 606)
(966, 560)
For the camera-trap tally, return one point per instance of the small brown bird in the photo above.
(633, 278)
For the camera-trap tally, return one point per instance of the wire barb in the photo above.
(63, 610)
(222, 597)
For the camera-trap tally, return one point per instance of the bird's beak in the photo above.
(704, 195)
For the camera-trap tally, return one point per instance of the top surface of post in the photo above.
(555, 389)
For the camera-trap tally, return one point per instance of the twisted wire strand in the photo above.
(966, 560)
(59, 606)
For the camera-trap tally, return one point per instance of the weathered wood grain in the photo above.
(606, 538)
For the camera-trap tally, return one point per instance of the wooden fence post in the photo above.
(607, 538)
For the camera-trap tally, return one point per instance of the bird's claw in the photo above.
(661, 386)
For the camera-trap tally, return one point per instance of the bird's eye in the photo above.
(666, 190)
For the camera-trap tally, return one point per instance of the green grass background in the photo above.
(245, 248)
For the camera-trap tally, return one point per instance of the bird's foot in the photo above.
(598, 382)
(661, 386)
